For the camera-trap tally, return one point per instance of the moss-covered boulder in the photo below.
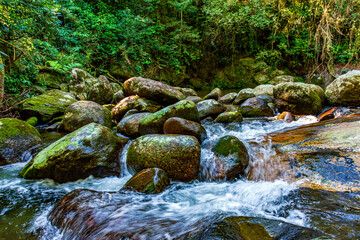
(118, 96)
(231, 160)
(133, 102)
(210, 107)
(153, 90)
(256, 107)
(33, 121)
(90, 150)
(215, 94)
(116, 87)
(16, 137)
(178, 155)
(47, 106)
(51, 79)
(149, 181)
(182, 126)
(228, 98)
(344, 90)
(299, 98)
(229, 117)
(90, 88)
(243, 95)
(82, 113)
(187, 91)
(282, 79)
(129, 125)
(267, 89)
(154, 123)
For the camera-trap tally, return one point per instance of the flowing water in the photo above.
(183, 207)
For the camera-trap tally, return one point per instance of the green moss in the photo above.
(228, 117)
(11, 127)
(228, 145)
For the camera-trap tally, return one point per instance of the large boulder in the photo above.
(178, 155)
(16, 137)
(182, 126)
(90, 150)
(282, 79)
(267, 89)
(47, 106)
(154, 123)
(153, 90)
(228, 98)
(256, 107)
(129, 125)
(243, 94)
(82, 113)
(344, 90)
(90, 88)
(210, 107)
(299, 98)
(187, 91)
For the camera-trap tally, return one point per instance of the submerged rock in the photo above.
(210, 107)
(182, 126)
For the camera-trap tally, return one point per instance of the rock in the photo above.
(194, 99)
(154, 123)
(255, 107)
(131, 112)
(261, 78)
(229, 117)
(182, 126)
(344, 90)
(33, 121)
(118, 96)
(132, 102)
(88, 87)
(244, 94)
(197, 83)
(228, 98)
(232, 158)
(82, 113)
(116, 87)
(299, 98)
(286, 116)
(47, 106)
(153, 90)
(90, 150)
(129, 125)
(328, 114)
(149, 181)
(210, 107)
(187, 91)
(178, 155)
(16, 137)
(215, 94)
(267, 89)
(108, 107)
(282, 79)
(51, 79)
(232, 108)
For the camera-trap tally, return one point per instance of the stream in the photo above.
(184, 207)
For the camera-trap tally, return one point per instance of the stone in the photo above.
(152, 90)
(182, 126)
(82, 113)
(243, 95)
(210, 107)
(282, 79)
(178, 155)
(267, 89)
(149, 181)
(215, 94)
(286, 116)
(47, 106)
(256, 107)
(116, 87)
(16, 136)
(33, 121)
(129, 125)
(187, 91)
(118, 96)
(194, 99)
(229, 117)
(154, 123)
(51, 79)
(228, 98)
(90, 150)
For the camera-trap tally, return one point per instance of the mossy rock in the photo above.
(178, 155)
(149, 181)
(90, 150)
(16, 136)
(154, 123)
(182, 126)
(282, 79)
(187, 91)
(229, 117)
(33, 121)
(116, 87)
(228, 98)
(47, 106)
(118, 96)
(256, 107)
(267, 89)
(129, 125)
(51, 79)
(243, 95)
(210, 107)
(194, 99)
(215, 94)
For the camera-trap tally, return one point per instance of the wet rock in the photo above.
(178, 155)
(131, 112)
(256, 107)
(82, 113)
(328, 114)
(267, 89)
(299, 98)
(243, 95)
(153, 90)
(16, 137)
(286, 116)
(154, 123)
(129, 125)
(47, 106)
(282, 79)
(182, 126)
(344, 90)
(187, 91)
(194, 99)
(90, 150)
(210, 107)
(149, 181)
(215, 94)
(228, 98)
(118, 96)
(229, 117)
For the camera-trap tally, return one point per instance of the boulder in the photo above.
(243, 94)
(51, 79)
(149, 181)
(282, 79)
(90, 150)
(33, 121)
(267, 89)
(229, 117)
(129, 125)
(228, 98)
(47, 106)
(153, 90)
(16, 136)
(299, 98)
(210, 107)
(256, 107)
(182, 126)
(82, 113)
(90, 88)
(215, 94)
(116, 87)
(178, 155)
(194, 99)
(187, 91)
(118, 96)
(154, 123)
(344, 90)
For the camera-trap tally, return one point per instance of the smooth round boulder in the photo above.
(16, 136)
(229, 117)
(228, 98)
(299, 98)
(178, 155)
(344, 90)
(90, 150)
(129, 125)
(182, 126)
(256, 107)
(149, 181)
(267, 89)
(215, 94)
(243, 94)
(210, 107)
(82, 113)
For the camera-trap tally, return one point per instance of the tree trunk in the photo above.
(2, 75)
